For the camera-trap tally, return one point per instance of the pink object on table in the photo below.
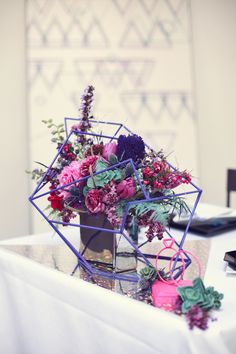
(164, 295)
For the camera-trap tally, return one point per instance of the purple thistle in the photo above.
(130, 147)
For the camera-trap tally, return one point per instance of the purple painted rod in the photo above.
(81, 260)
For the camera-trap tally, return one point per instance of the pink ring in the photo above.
(172, 281)
(191, 254)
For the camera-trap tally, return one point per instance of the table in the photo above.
(44, 311)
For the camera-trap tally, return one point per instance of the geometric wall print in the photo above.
(136, 53)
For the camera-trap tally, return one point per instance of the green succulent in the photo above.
(197, 294)
(149, 273)
(215, 295)
(104, 177)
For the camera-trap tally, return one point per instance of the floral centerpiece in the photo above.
(115, 178)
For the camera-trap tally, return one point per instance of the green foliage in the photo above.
(57, 131)
(78, 150)
(113, 159)
(179, 206)
(128, 170)
(85, 190)
(36, 174)
(120, 208)
(149, 273)
(160, 212)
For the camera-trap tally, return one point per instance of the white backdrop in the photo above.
(14, 207)
(137, 54)
(214, 32)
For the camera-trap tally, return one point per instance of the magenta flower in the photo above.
(112, 217)
(69, 174)
(126, 188)
(109, 148)
(94, 201)
(85, 165)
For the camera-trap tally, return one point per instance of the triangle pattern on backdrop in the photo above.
(122, 5)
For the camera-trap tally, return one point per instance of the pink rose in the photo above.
(94, 201)
(126, 188)
(85, 165)
(69, 174)
(109, 148)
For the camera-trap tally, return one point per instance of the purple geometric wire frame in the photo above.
(82, 262)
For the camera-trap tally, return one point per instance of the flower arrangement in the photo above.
(114, 176)
(120, 180)
(109, 192)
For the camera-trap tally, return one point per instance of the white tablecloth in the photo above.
(43, 311)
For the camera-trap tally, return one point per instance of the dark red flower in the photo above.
(94, 201)
(96, 149)
(56, 201)
(85, 165)
(159, 166)
(157, 185)
(148, 172)
(67, 147)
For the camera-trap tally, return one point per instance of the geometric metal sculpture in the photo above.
(97, 268)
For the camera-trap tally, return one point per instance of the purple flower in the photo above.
(86, 103)
(130, 147)
(112, 216)
(197, 317)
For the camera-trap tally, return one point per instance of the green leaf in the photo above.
(100, 165)
(160, 212)
(85, 190)
(129, 170)
(120, 207)
(113, 159)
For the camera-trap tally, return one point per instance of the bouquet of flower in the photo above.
(120, 180)
(101, 177)
(110, 182)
